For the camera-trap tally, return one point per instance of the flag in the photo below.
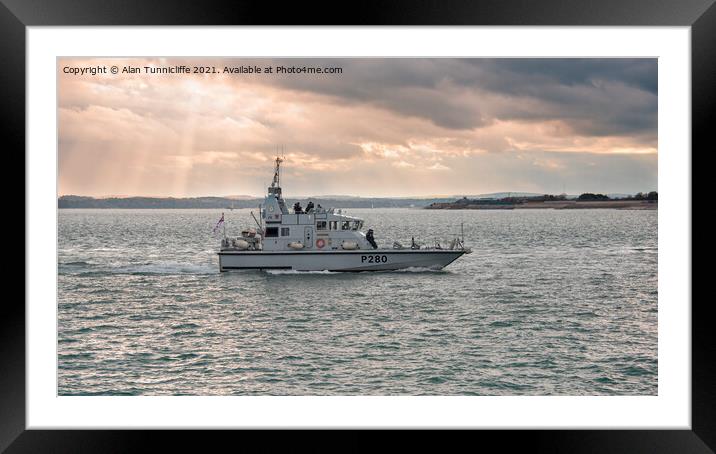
(220, 223)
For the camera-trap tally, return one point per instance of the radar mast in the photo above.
(275, 187)
(277, 173)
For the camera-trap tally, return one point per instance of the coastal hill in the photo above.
(74, 201)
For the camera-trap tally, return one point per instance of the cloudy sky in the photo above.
(380, 127)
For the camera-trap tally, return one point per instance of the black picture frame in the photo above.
(16, 15)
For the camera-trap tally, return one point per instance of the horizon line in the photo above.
(329, 196)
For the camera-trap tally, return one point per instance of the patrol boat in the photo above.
(317, 239)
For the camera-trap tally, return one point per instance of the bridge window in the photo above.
(333, 225)
(271, 232)
(285, 231)
(321, 225)
(346, 225)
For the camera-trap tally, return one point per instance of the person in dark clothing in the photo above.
(309, 207)
(371, 239)
(297, 208)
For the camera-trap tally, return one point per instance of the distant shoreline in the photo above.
(224, 203)
(576, 205)
(437, 203)
(554, 205)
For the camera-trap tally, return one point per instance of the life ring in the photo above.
(320, 243)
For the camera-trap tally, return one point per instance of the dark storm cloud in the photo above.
(406, 86)
(511, 75)
(593, 96)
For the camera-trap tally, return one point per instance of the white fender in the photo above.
(349, 245)
(295, 245)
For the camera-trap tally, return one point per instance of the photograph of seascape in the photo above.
(357, 226)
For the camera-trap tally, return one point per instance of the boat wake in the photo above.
(166, 268)
(160, 268)
(414, 269)
(420, 269)
(276, 272)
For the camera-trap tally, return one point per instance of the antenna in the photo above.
(277, 173)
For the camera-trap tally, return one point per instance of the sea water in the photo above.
(550, 302)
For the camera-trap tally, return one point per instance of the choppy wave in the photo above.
(79, 263)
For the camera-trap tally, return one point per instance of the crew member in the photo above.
(309, 207)
(371, 240)
(297, 208)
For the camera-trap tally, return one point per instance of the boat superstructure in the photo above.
(316, 239)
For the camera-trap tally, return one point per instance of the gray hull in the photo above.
(362, 260)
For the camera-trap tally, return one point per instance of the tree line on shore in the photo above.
(653, 195)
(587, 196)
